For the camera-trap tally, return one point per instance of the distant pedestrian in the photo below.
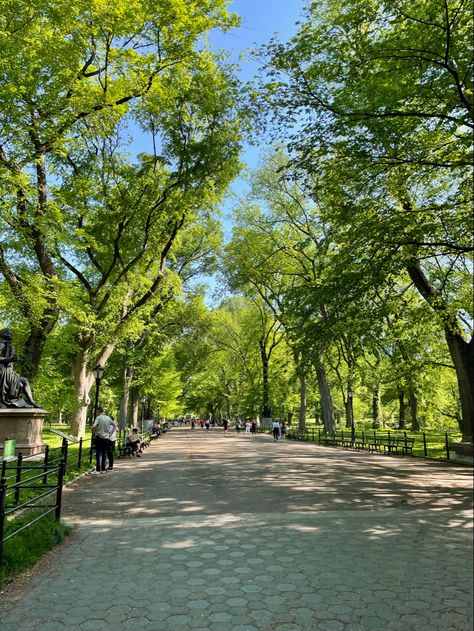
(248, 426)
(208, 424)
(101, 431)
(201, 423)
(284, 430)
(253, 428)
(111, 444)
(193, 424)
(226, 426)
(238, 426)
(276, 430)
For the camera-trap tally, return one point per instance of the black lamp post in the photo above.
(350, 394)
(283, 411)
(98, 373)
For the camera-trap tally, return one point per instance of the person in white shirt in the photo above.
(276, 430)
(111, 444)
(101, 431)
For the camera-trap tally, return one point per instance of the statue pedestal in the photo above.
(26, 426)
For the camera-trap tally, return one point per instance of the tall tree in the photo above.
(390, 143)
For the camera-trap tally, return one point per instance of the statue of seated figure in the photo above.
(15, 391)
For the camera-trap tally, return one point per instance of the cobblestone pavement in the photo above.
(214, 533)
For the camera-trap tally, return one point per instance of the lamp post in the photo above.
(350, 394)
(143, 413)
(283, 411)
(98, 373)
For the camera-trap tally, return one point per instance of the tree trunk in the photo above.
(134, 405)
(302, 410)
(461, 351)
(125, 398)
(347, 407)
(401, 409)
(326, 400)
(462, 354)
(376, 407)
(34, 346)
(415, 422)
(83, 380)
(266, 412)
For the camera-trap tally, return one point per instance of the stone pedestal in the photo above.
(26, 426)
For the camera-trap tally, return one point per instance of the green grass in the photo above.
(24, 549)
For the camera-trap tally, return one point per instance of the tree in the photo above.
(68, 73)
(388, 144)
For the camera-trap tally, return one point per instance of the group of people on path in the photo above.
(104, 434)
(250, 427)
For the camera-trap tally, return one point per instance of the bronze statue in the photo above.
(15, 391)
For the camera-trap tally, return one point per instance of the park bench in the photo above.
(400, 446)
(380, 444)
(124, 449)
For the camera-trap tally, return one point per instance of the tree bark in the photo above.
(462, 354)
(401, 409)
(134, 405)
(461, 351)
(125, 398)
(326, 400)
(83, 380)
(376, 407)
(415, 421)
(302, 410)
(266, 412)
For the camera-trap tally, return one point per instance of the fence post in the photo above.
(406, 444)
(18, 478)
(79, 456)
(91, 449)
(59, 493)
(4, 469)
(312, 434)
(447, 445)
(64, 450)
(319, 435)
(45, 464)
(424, 445)
(3, 492)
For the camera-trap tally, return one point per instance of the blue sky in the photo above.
(260, 21)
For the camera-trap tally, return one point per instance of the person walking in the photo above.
(101, 431)
(208, 424)
(253, 428)
(276, 430)
(284, 430)
(248, 426)
(226, 426)
(111, 444)
(238, 426)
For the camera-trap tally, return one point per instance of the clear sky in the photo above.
(260, 20)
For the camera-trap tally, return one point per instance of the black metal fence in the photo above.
(424, 444)
(32, 486)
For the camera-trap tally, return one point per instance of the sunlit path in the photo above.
(242, 534)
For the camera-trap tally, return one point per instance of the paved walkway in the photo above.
(217, 533)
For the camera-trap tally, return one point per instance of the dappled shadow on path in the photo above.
(194, 473)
